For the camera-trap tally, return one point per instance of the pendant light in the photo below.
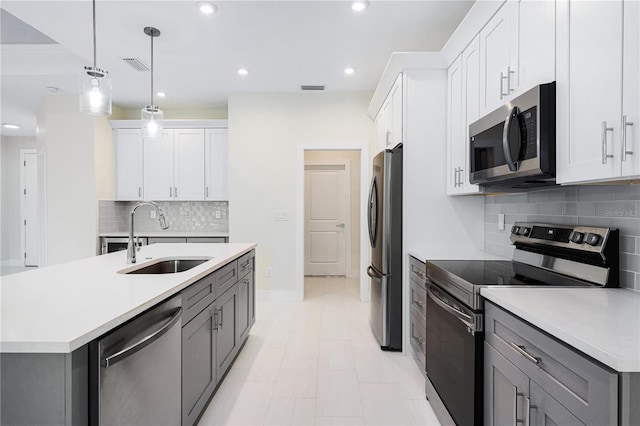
(95, 84)
(151, 115)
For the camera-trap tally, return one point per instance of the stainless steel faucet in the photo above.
(131, 246)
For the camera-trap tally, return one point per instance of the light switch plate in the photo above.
(281, 216)
(501, 221)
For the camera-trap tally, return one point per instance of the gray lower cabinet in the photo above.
(418, 311)
(227, 342)
(199, 350)
(218, 312)
(530, 375)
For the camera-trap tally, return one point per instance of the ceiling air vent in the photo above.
(308, 87)
(136, 64)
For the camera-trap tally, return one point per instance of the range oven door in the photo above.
(455, 356)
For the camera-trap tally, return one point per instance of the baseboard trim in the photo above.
(277, 296)
(11, 262)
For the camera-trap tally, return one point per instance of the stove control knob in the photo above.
(515, 230)
(577, 237)
(525, 231)
(592, 239)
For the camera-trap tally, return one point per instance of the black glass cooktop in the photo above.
(502, 272)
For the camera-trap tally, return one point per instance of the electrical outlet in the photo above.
(217, 214)
(269, 271)
(500, 221)
(281, 216)
(152, 214)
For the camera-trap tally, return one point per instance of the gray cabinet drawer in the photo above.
(225, 277)
(419, 302)
(198, 296)
(586, 388)
(245, 263)
(418, 341)
(418, 271)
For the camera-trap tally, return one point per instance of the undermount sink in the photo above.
(167, 266)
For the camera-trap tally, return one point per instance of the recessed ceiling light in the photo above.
(10, 126)
(243, 71)
(207, 8)
(161, 94)
(359, 5)
(349, 70)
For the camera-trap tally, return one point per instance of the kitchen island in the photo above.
(50, 316)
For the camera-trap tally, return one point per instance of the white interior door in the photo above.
(30, 208)
(325, 220)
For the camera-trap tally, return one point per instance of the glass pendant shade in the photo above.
(152, 122)
(95, 92)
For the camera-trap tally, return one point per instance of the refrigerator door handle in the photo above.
(372, 274)
(373, 192)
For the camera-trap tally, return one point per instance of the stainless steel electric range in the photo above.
(544, 255)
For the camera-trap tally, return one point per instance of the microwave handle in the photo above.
(513, 115)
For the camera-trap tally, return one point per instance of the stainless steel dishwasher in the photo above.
(136, 374)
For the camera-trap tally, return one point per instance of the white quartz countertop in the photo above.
(62, 307)
(602, 323)
(426, 254)
(167, 234)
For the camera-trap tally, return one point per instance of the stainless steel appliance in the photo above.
(136, 370)
(112, 244)
(385, 236)
(544, 255)
(515, 146)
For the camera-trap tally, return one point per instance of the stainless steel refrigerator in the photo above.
(385, 236)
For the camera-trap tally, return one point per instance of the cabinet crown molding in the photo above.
(173, 124)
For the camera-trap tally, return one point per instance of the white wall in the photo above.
(265, 131)
(354, 184)
(10, 230)
(66, 142)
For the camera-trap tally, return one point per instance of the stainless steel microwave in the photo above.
(515, 145)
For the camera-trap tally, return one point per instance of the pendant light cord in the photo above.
(151, 68)
(95, 59)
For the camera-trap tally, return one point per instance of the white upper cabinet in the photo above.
(129, 164)
(463, 109)
(517, 51)
(188, 164)
(630, 147)
(594, 142)
(158, 167)
(216, 164)
(498, 41)
(388, 123)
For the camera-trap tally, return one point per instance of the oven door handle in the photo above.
(464, 318)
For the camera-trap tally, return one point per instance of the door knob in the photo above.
(340, 225)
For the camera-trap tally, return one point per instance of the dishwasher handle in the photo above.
(150, 337)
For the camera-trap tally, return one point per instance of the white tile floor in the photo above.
(317, 363)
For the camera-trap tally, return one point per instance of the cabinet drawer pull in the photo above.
(625, 124)
(605, 129)
(418, 303)
(215, 319)
(524, 353)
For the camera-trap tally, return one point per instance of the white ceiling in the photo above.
(284, 44)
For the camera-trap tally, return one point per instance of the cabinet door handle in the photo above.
(605, 129)
(502, 79)
(220, 316)
(527, 413)
(460, 178)
(625, 124)
(206, 190)
(140, 191)
(175, 191)
(215, 319)
(509, 72)
(386, 137)
(516, 394)
(524, 353)
(170, 192)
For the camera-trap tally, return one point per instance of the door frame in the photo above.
(348, 268)
(363, 147)
(23, 207)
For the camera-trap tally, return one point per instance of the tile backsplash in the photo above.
(188, 216)
(614, 206)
